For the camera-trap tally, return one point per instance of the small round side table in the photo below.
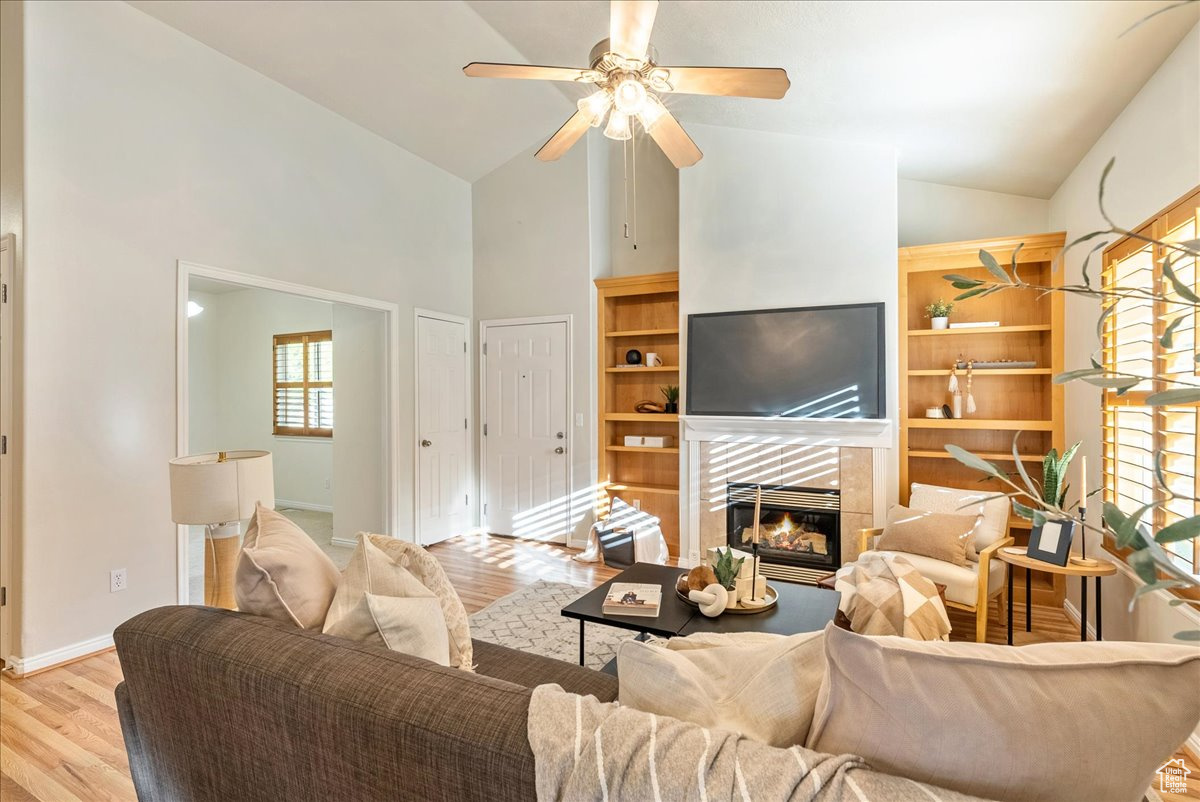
(1019, 559)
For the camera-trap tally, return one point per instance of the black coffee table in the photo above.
(801, 608)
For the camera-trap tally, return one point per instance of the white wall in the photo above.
(1157, 148)
(643, 187)
(144, 147)
(234, 334)
(932, 213)
(771, 220)
(533, 257)
(360, 421)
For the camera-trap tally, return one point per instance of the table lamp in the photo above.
(218, 491)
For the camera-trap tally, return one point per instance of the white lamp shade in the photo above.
(206, 491)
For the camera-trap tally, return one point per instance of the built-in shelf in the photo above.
(638, 312)
(620, 487)
(643, 417)
(978, 330)
(980, 372)
(999, 456)
(977, 423)
(642, 333)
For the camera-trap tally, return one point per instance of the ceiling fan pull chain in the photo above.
(625, 182)
(633, 148)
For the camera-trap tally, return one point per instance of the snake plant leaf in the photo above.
(993, 266)
(1186, 529)
(1181, 395)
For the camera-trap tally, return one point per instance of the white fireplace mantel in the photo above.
(846, 432)
(840, 433)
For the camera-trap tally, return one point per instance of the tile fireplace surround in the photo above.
(845, 455)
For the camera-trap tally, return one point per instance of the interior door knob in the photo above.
(426, 443)
(560, 450)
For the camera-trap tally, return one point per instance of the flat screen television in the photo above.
(807, 362)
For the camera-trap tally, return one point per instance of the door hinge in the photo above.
(464, 423)
(3, 444)
(485, 509)
(485, 430)
(466, 500)
(464, 346)
(4, 293)
(3, 596)
(485, 349)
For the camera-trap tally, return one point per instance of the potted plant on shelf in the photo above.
(938, 313)
(671, 393)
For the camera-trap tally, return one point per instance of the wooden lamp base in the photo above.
(220, 562)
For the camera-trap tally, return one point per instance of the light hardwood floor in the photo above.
(60, 740)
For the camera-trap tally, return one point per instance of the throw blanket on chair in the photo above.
(587, 750)
(884, 595)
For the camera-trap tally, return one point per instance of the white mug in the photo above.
(653, 360)
(934, 412)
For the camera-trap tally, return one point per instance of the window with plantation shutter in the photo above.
(303, 384)
(1134, 343)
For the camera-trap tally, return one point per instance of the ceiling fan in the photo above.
(625, 71)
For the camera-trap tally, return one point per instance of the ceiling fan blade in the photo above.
(674, 141)
(482, 69)
(764, 82)
(565, 137)
(629, 27)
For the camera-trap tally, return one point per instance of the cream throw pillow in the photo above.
(931, 534)
(282, 573)
(379, 601)
(1053, 721)
(425, 567)
(760, 685)
(993, 523)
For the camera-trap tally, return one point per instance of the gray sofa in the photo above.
(218, 705)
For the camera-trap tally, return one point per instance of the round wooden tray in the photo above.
(771, 600)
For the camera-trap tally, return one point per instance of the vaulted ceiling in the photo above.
(1003, 96)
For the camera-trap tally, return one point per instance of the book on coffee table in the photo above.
(629, 598)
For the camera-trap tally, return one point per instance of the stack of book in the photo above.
(629, 598)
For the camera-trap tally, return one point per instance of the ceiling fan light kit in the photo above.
(624, 69)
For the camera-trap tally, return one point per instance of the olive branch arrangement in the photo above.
(1148, 558)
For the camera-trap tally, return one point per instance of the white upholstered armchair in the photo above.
(974, 586)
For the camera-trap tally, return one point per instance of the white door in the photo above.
(443, 445)
(7, 264)
(525, 430)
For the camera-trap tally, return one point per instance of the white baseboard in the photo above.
(343, 541)
(283, 503)
(1073, 613)
(27, 665)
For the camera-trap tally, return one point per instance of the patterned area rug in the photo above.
(529, 620)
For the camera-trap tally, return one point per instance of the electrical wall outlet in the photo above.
(118, 579)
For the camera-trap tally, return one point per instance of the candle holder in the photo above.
(1083, 560)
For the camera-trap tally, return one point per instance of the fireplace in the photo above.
(799, 528)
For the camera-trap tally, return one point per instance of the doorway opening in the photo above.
(305, 374)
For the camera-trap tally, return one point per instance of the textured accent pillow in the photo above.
(425, 567)
(931, 534)
(1052, 721)
(282, 573)
(993, 523)
(761, 685)
(379, 601)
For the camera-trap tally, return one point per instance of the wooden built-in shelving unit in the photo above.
(638, 312)
(1007, 399)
